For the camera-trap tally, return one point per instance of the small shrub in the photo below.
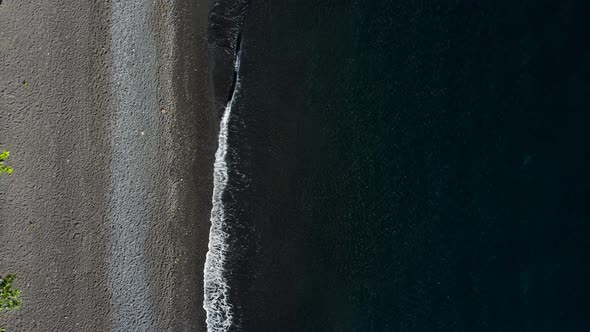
(8, 297)
(4, 169)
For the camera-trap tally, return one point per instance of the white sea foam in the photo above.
(219, 310)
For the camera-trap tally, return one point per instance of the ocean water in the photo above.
(409, 166)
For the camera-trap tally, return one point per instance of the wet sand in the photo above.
(112, 124)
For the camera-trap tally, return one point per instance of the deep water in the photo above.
(411, 166)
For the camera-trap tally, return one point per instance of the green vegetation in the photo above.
(8, 297)
(4, 169)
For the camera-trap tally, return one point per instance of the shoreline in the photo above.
(226, 20)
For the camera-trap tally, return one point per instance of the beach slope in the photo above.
(109, 115)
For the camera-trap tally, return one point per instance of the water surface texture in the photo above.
(410, 166)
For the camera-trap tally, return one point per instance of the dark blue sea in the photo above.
(410, 166)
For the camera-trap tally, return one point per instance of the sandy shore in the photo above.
(109, 115)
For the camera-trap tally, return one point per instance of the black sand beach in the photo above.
(81, 265)
(361, 165)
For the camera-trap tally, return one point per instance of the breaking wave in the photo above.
(219, 310)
